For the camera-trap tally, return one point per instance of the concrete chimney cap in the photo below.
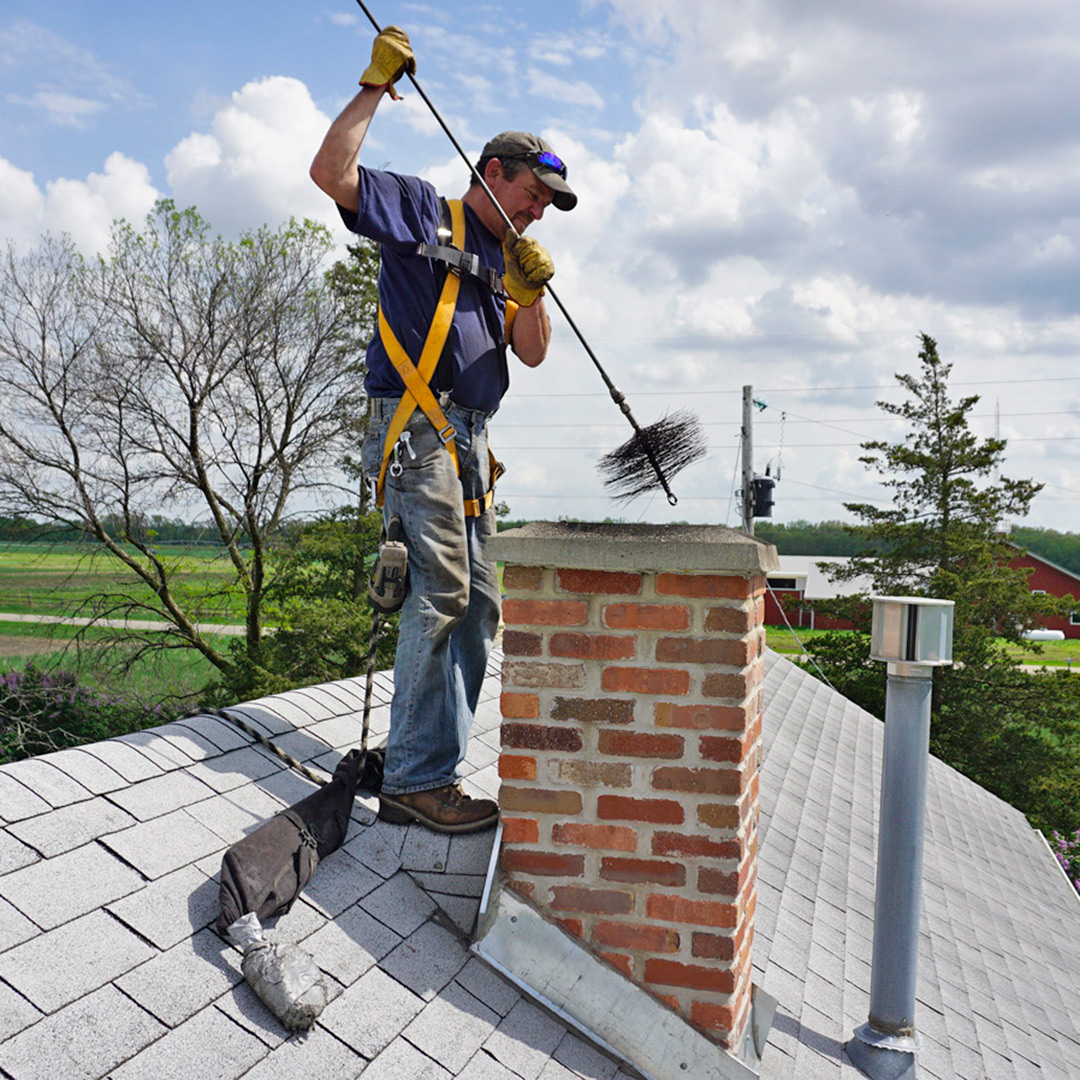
(633, 547)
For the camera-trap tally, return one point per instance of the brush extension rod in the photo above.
(616, 394)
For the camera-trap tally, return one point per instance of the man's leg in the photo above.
(427, 733)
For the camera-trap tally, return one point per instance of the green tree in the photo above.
(941, 537)
(181, 374)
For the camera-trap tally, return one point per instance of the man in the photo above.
(446, 330)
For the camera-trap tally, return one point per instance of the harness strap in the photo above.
(417, 377)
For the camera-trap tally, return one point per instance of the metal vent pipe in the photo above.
(913, 635)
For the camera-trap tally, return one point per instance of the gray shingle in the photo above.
(124, 758)
(54, 969)
(14, 854)
(209, 1045)
(170, 909)
(427, 960)
(56, 890)
(351, 944)
(339, 883)
(15, 927)
(377, 848)
(161, 795)
(163, 844)
(488, 987)
(584, 1060)
(402, 1061)
(236, 768)
(16, 1013)
(47, 782)
(17, 801)
(71, 826)
(83, 1041)
(176, 984)
(452, 1028)
(294, 1058)
(525, 1040)
(87, 770)
(400, 904)
(369, 1014)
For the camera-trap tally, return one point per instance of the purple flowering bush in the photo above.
(1067, 850)
(42, 711)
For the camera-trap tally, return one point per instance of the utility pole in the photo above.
(748, 460)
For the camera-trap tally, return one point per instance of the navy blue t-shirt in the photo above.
(399, 212)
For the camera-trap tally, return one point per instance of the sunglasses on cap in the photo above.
(541, 157)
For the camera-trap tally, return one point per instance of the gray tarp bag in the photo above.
(264, 873)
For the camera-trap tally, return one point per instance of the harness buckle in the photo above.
(447, 434)
(468, 262)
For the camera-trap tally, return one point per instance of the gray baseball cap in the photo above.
(545, 163)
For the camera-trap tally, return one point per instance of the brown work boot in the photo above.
(446, 809)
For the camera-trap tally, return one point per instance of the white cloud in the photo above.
(251, 167)
(84, 209)
(543, 84)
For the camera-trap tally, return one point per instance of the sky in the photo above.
(772, 194)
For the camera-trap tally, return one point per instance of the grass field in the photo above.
(55, 579)
(1051, 654)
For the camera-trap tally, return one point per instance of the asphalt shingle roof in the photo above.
(109, 968)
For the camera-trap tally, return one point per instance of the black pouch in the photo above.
(266, 871)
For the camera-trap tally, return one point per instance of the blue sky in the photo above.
(772, 193)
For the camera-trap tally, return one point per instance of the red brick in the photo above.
(662, 972)
(712, 946)
(714, 1017)
(542, 863)
(696, 781)
(694, 846)
(520, 706)
(525, 888)
(618, 935)
(692, 912)
(523, 578)
(645, 680)
(644, 871)
(591, 901)
(613, 583)
(593, 710)
(521, 643)
(513, 767)
(712, 651)
(520, 830)
(716, 748)
(729, 620)
(646, 617)
(699, 717)
(539, 737)
(574, 926)
(592, 646)
(520, 612)
(640, 744)
(593, 774)
(623, 963)
(721, 684)
(719, 816)
(712, 881)
(539, 801)
(708, 586)
(540, 675)
(602, 837)
(624, 808)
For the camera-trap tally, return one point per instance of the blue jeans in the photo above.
(452, 607)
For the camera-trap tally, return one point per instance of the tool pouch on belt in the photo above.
(390, 575)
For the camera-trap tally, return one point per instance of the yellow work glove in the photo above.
(528, 268)
(391, 57)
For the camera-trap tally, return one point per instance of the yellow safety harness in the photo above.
(417, 377)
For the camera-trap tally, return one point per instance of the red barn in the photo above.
(799, 581)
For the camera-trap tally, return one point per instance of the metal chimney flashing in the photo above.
(617, 1016)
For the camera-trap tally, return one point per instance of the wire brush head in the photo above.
(653, 455)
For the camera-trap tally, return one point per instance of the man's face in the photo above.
(524, 199)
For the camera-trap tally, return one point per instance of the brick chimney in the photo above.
(631, 742)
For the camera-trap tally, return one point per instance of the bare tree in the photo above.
(182, 372)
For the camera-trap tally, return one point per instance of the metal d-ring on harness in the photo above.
(417, 377)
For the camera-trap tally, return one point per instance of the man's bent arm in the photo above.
(531, 333)
(335, 166)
